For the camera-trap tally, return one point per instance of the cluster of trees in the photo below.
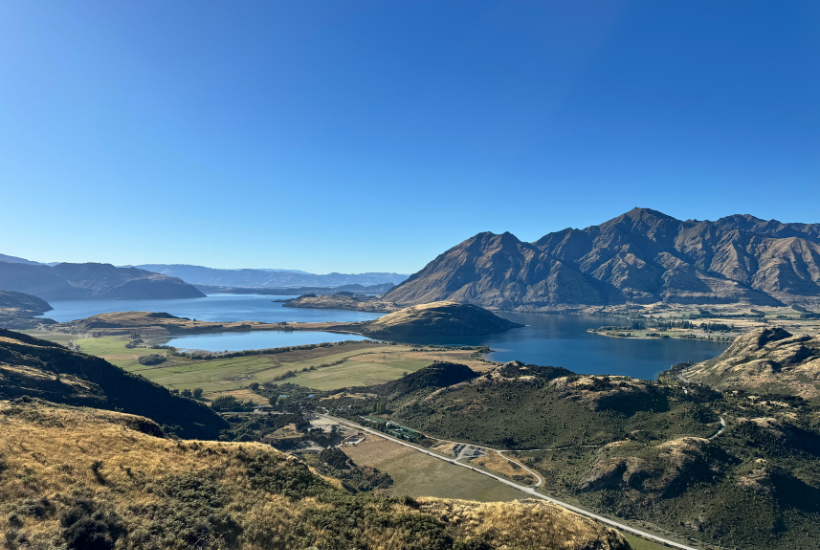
(229, 403)
(153, 359)
(196, 393)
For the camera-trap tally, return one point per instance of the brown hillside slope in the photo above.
(437, 319)
(642, 256)
(766, 360)
(89, 479)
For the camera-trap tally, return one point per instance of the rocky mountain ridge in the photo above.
(643, 256)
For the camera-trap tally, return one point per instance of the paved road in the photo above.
(522, 488)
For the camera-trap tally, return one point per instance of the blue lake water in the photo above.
(563, 341)
(557, 340)
(216, 307)
(238, 341)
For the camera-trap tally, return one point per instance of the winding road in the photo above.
(720, 431)
(529, 490)
(537, 476)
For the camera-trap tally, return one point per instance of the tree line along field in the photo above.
(322, 368)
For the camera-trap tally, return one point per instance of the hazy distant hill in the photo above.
(267, 277)
(369, 290)
(91, 281)
(642, 256)
(16, 260)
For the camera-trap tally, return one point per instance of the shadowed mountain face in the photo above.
(91, 281)
(642, 256)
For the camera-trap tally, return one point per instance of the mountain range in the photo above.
(199, 275)
(68, 281)
(643, 256)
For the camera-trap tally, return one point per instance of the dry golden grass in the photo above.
(65, 454)
(500, 465)
(529, 524)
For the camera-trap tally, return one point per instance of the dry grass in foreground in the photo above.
(84, 478)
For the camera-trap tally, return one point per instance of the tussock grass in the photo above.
(85, 478)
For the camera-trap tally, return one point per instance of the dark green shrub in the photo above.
(152, 359)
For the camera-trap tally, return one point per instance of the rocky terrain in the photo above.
(91, 281)
(18, 310)
(352, 302)
(437, 319)
(766, 360)
(641, 257)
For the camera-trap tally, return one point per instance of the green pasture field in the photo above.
(419, 475)
(361, 364)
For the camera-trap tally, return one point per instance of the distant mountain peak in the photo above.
(642, 256)
(639, 212)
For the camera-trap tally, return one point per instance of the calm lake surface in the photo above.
(557, 340)
(563, 341)
(216, 307)
(238, 341)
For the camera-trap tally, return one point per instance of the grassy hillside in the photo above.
(634, 449)
(38, 368)
(89, 479)
(766, 360)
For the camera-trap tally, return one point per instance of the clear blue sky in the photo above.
(371, 136)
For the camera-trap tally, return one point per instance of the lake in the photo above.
(238, 341)
(215, 307)
(563, 341)
(557, 340)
